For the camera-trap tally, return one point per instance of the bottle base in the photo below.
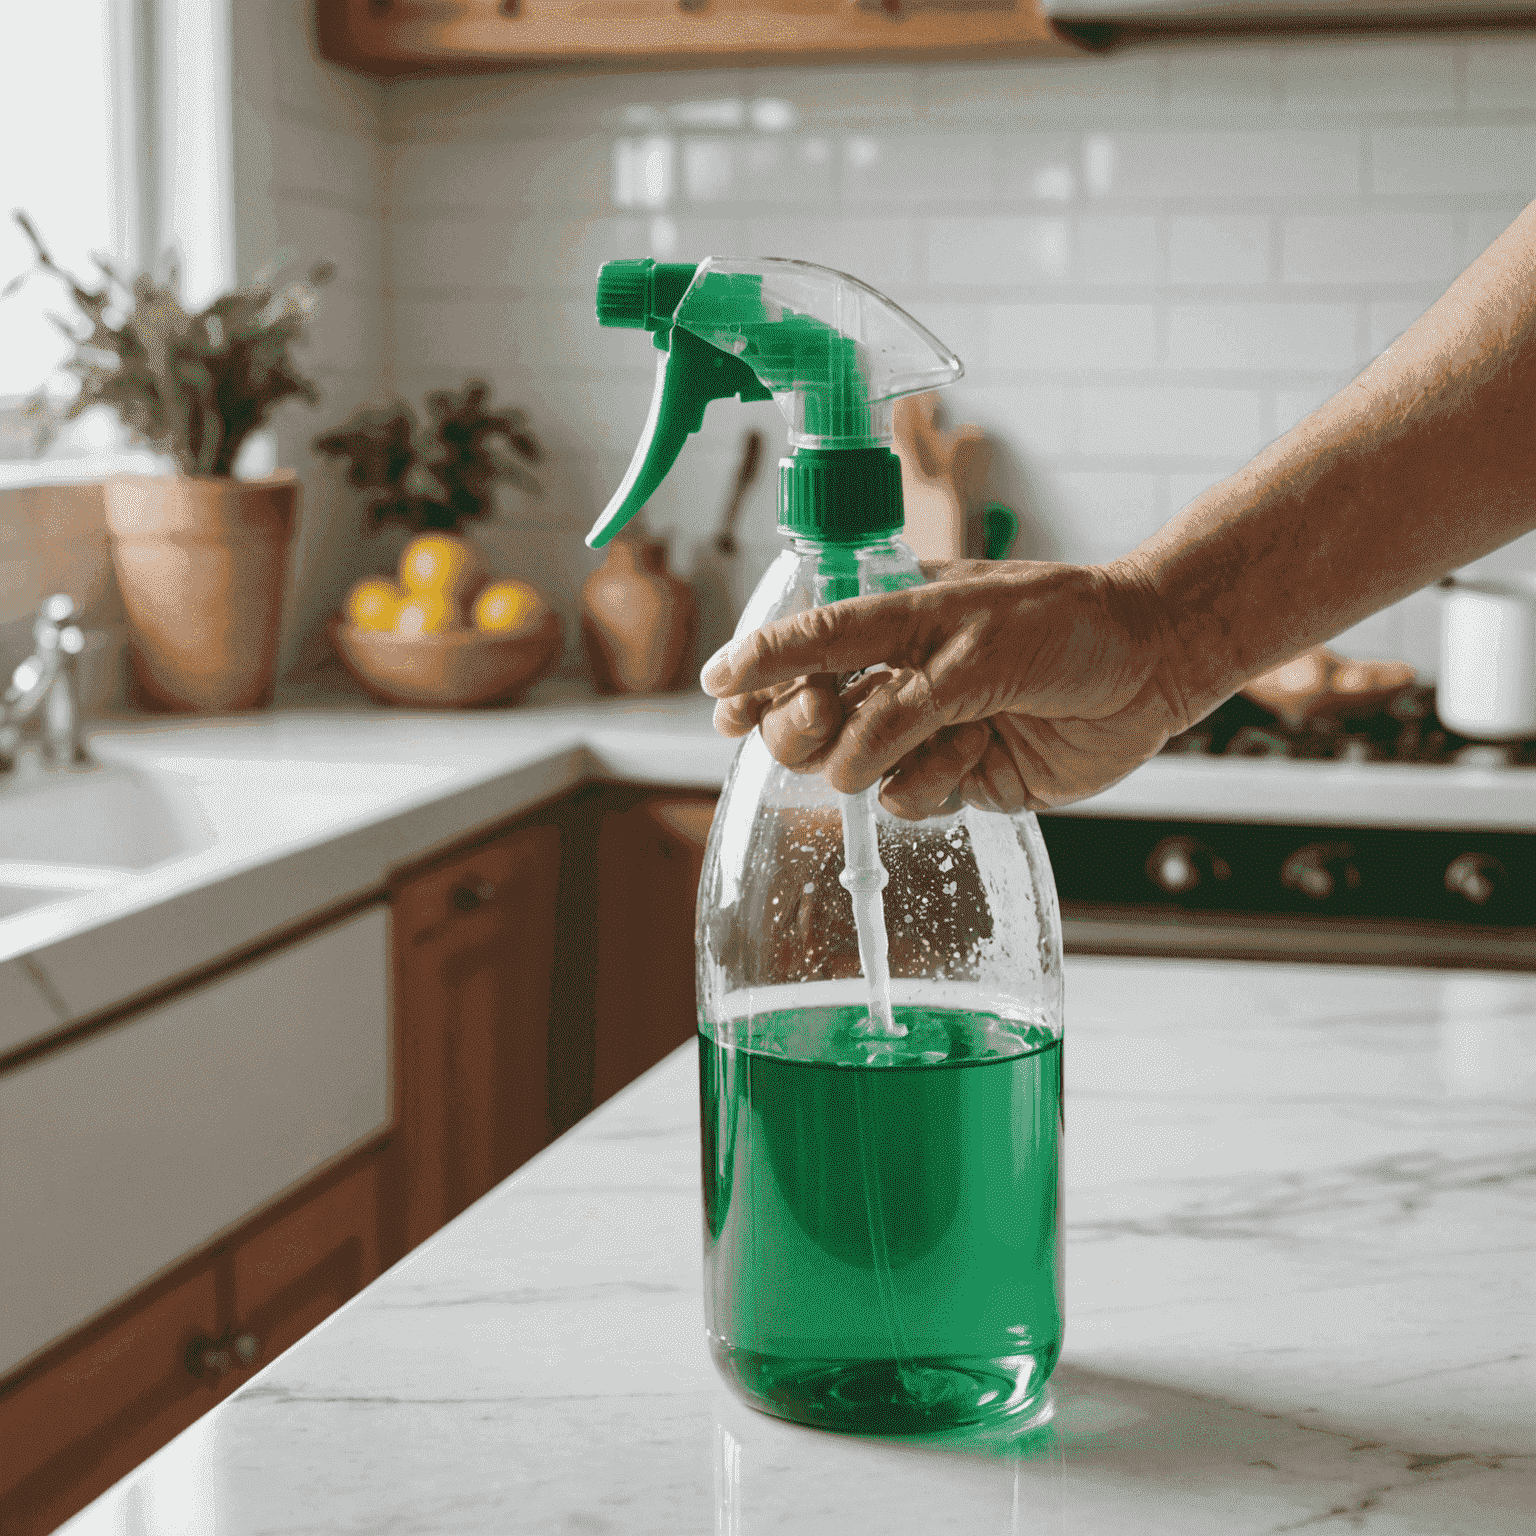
(920, 1396)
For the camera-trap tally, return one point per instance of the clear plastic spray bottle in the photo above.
(879, 1000)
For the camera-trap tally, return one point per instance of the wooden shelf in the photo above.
(424, 37)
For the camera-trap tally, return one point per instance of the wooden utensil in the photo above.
(716, 575)
(937, 471)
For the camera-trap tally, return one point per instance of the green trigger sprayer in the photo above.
(832, 352)
(879, 1000)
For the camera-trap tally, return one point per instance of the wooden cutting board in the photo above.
(939, 472)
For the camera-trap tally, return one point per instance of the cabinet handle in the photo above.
(217, 1357)
(470, 896)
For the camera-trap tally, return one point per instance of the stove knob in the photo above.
(1179, 865)
(1474, 877)
(1321, 869)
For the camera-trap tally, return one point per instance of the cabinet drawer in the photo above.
(74, 1428)
(123, 1153)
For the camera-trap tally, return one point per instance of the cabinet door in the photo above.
(649, 861)
(138, 1146)
(295, 1270)
(427, 36)
(474, 948)
(73, 1426)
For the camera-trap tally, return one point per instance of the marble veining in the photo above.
(1301, 1239)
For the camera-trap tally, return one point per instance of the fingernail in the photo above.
(806, 711)
(715, 671)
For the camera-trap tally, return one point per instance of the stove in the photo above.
(1404, 730)
(1384, 840)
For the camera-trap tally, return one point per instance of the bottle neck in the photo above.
(839, 571)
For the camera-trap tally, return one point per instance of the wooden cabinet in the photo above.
(95, 1406)
(650, 856)
(386, 37)
(534, 974)
(474, 943)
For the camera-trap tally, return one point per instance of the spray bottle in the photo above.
(879, 1000)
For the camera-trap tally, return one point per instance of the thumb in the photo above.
(845, 636)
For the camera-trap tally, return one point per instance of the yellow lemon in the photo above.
(505, 607)
(424, 613)
(374, 603)
(441, 562)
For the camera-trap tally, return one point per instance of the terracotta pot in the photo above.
(200, 562)
(637, 619)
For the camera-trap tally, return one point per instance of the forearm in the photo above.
(1425, 461)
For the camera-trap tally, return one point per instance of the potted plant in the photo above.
(441, 634)
(200, 556)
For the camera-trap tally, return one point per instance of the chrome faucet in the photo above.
(44, 689)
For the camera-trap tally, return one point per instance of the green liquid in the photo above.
(881, 1235)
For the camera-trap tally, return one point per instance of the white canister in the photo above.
(1487, 684)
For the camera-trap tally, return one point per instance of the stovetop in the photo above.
(1405, 730)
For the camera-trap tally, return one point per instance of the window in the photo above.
(70, 158)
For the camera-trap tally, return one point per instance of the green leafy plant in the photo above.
(192, 384)
(439, 475)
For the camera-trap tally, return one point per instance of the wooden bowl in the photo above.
(461, 669)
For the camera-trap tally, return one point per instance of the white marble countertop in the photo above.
(1301, 1294)
(316, 803)
(308, 808)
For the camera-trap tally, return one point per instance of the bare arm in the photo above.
(1024, 683)
(1426, 461)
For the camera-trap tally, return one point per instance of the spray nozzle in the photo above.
(643, 295)
(832, 352)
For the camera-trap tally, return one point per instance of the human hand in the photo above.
(1019, 684)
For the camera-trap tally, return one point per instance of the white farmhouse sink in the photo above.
(112, 817)
(64, 834)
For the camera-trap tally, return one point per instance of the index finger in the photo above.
(846, 636)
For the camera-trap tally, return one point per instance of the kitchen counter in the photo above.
(1301, 1215)
(315, 804)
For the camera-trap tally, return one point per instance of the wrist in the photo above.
(1163, 633)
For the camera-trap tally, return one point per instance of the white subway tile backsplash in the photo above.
(1223, 84)
(1298, 401)
(1344, 79)
(1254, 337)
(1484, 226)
(1184, 487)
(831, 98)
(1041, 166)
(1115, 250)
(1501, 74)
(1096, 515)
(323, 163)
(790, 169)
(1492, 157)
(1043, 92)
(963, 328)
(1096, 251)
(1225, 163)
(1197, 242)
(475, 336)
(1376, 246)
(1026, 420)
(1387, 319)
(913, 168)
(494, 175)
(996, 252)
(1219, 249)
(1071, 338)
(1169, 421)
(882, 251)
